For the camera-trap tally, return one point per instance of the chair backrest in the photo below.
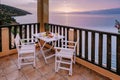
(70, 44)
(76, 43)
(17, 41)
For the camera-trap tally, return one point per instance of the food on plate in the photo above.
(50, 35)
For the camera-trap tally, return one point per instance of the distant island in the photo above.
(104, 11)
(8, 12)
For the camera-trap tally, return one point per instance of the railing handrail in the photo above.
(6, 26)
(96, 31)
(24, 30)
(94, 42)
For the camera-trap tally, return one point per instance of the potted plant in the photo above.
(117, 25)
(47, 29)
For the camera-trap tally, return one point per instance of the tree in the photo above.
(6, 19)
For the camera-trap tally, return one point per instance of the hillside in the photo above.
(12, 10)
(7, 13)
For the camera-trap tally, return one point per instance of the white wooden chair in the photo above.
(65, 55)
(26, 52)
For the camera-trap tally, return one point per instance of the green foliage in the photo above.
(13, 31)
(117, 24)
(46, 27)
(5, 19)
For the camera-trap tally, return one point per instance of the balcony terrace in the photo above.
(85, 58)
(92, 63)
(9, 71)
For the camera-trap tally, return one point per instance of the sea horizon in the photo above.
(87, 21)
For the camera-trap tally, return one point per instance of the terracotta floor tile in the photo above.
(99, 77)
(2, 75)
(77, 68)
(1, 64)
(53, 76)
(75, 76)
(22, 78)
(14, 58)
(40, 63)
(6, 62)
(3, 78)
(43, 71)
(39, 55)
(52, 66)
(63, 72)
(27, 69)
(34, 75)
(14, 75)
(51, 60)
(10, 69)
(42, 78)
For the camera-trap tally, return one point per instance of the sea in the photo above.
(94, 22)
(87, 21)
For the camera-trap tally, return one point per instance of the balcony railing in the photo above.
(97, 47)
(24, 30)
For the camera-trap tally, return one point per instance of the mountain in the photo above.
(8, 12)
(105, 11)
(12, 11)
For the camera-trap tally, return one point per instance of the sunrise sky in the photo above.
(65, 5)
(82, 5)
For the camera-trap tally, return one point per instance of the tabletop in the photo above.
(51, 37)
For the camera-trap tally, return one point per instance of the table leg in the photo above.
(44, 51)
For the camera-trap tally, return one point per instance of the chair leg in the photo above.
(70, 71)
(56, 64)
(34, 64)
(19, 64)
(59, 63)
(74, 59)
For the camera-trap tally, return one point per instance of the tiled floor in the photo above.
(9, 71)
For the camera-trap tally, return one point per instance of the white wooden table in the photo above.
(46, 40)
